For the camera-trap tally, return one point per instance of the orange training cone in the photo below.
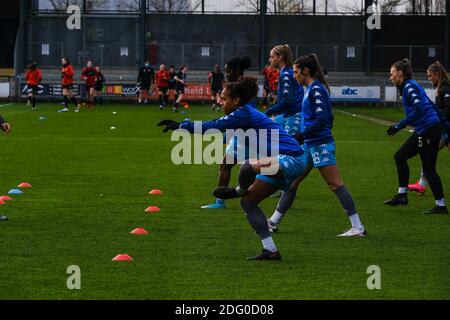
(152, 209)
(139, 231)
(24, 185)
(6, 198)
(155, 191)
(2, 202)
(122, 257)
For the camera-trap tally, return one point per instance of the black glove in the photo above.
(169, 125)
(392, 131)
(300, 138)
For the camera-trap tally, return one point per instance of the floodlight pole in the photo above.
(369, 44)
(263, 34)
(19, 51)
(446, 34)
(143, 30)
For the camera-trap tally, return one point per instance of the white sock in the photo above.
(276, 217)
(423, 180)
(356, 222)
(402, 190)
(269, 245)
(440, 203)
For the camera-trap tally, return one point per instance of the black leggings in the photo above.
(427, 146)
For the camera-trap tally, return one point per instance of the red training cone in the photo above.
(155, 191)
(139, 231)
(122, 257)
(6, 198)
(24, 185)
(152, 209)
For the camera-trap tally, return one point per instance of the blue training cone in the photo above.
(15, 191)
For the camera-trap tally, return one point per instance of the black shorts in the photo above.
(216, 89)
(145, 86)
(67, 86)
(164, 90)
(171, 86)
(98, 87)
(32, 89)
(179, 89)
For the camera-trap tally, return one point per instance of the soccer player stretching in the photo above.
(319, 145)
(99, 86)
(34, 78)
(441, 81)
(5, 127)
(89, 75)
(67, 74)
(162, 78)
(216, 80)
(422, 114)
(238, 102)
(234, 69)
(180, 85)
(145, 81)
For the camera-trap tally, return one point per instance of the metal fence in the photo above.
(203, 56)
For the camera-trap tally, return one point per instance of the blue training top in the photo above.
(248, 117)
(290, 95)
(317, 115)
(420, 111)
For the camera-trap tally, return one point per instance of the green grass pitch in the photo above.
(90, 189)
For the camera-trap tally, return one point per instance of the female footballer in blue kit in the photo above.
(238, 101)
(234, 69)
(424, 116)
(318, 141)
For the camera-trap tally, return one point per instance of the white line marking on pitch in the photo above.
(6, 105)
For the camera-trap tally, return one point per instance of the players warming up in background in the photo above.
(67, 75)
(255, 184)
(89, 75)
(180, 86)
(234, 69)
(422, 114)
(5, 127)
(98, 87)
(172, 81)
(441, 81)
(318, 142)
(33, 78)
(216, 80)
(145, 81)
(271, 77)
(162, 78)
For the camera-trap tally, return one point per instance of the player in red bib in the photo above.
(34, 78)
(89, 75)
(67, 74)
(162, 78)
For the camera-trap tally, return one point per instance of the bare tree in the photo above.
(425, 6)
(385, 6)
(61, 5)
(167, 6)
(277, 6)
(128, 5)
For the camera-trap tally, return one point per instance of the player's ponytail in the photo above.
(405, 67)
(284, 51)
(444, 79)
(311, 61)
(246, 89)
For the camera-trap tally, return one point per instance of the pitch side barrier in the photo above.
(202, 93)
